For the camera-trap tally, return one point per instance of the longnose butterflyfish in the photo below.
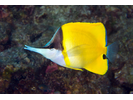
(79, 45)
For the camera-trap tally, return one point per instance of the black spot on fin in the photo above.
(104, 56)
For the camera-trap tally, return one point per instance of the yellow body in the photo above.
(84, 46)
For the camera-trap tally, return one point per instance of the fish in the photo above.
(78, 46)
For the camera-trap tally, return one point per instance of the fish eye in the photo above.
(104, 56)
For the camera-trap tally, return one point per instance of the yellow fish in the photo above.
(78, 45)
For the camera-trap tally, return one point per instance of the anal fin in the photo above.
(98, 66)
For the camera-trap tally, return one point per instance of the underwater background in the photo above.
(22, 71)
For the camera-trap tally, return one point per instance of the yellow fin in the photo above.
(98, 66)
(74, 68)
(82, 55)
(79, 33)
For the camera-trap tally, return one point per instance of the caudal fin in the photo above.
(112, 51)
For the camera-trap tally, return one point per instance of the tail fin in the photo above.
(112, 51)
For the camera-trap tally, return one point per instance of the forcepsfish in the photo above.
(78, 45)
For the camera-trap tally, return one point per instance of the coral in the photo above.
(51, 68)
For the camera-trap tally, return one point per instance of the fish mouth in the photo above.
(26, 47)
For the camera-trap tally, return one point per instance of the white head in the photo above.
(52, 54)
